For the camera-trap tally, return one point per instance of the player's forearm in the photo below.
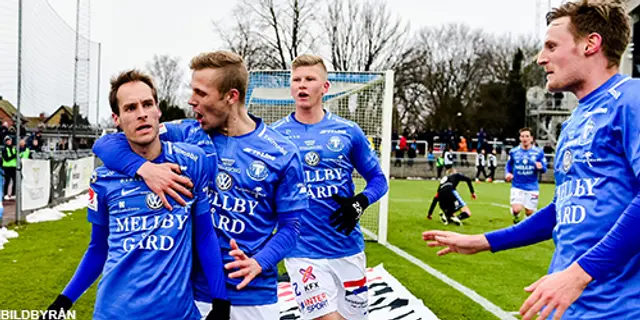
(115, 152)
(538, 227)
(376, 186)
(618, 246)
(91, 265)
(282, 243)
(210, 256)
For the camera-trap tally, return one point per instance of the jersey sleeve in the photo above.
(543, 160)
(115, 152)
(291, 194)
(509, 166)
(362, 155)
(97, 209)
(200, 177)
(630, 131)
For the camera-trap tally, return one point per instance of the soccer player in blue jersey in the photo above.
(256, 182)
(524, 164)
(327, 267)
(594, 217)
(144, 251)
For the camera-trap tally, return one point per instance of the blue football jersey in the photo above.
(330, 149)
(522, 164)
(256, 176)
(596, 170)
(147, 271)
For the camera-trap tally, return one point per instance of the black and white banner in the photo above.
(58, 179)
(36, 178)
(388, 299)
(78, 176)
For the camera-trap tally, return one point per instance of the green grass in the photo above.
(35, 267)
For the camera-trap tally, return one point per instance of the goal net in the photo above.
(362, 97)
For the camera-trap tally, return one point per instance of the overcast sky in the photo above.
(132, 31)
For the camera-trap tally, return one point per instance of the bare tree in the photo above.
(243, 38)
(363, 36)
(285, 27)
(167, 76)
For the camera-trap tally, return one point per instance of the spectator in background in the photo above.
(403, 141)
(481, 136)
(431, 159)
(399, 156)
(35, 141)
(25, 152)
(4, 130)
(9, 162)
(63, 145)
(411, 153)
(493, 164)
(394, 140)
(480, 164)
(462, 147)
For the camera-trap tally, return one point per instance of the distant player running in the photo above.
(450, 200)
(523, 166)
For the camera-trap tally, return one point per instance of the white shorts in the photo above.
(323, 286)
(265, 312)
(529, 199)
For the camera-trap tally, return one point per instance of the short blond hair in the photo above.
(608, 18)
(308, 60)
(234, 71)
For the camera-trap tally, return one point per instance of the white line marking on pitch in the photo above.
(486, 304)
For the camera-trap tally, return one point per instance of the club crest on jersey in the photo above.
(93, 200)
(567, 160)
(224, 181)
(312, 158)
(153, 201)
(335, 144)
(94, 177)
(525, 161)
(257, 171)
(588, 133)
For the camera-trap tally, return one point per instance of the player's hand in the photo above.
(556, 291)
(538, 165)
(249, 267)
(345, 218)
(474, 196)
(455, 242)
(62, 302)
(508, 177)
(165, 179)
(220, 310)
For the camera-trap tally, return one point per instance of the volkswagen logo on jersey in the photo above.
(335, 144)
(153, 201)
(567, 159)
(224, 181)
(257, 170)
(312, 158)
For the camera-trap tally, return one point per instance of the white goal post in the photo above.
(365, 98)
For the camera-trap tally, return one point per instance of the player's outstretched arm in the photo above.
(455, 242)
(163, 178)
(88, 271)
(537, 228)
(468, 181)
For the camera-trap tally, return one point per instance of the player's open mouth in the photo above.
(303, 95)
(143, 127)
(198, 116)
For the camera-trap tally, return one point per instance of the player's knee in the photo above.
(516, 208)
(529, 212)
